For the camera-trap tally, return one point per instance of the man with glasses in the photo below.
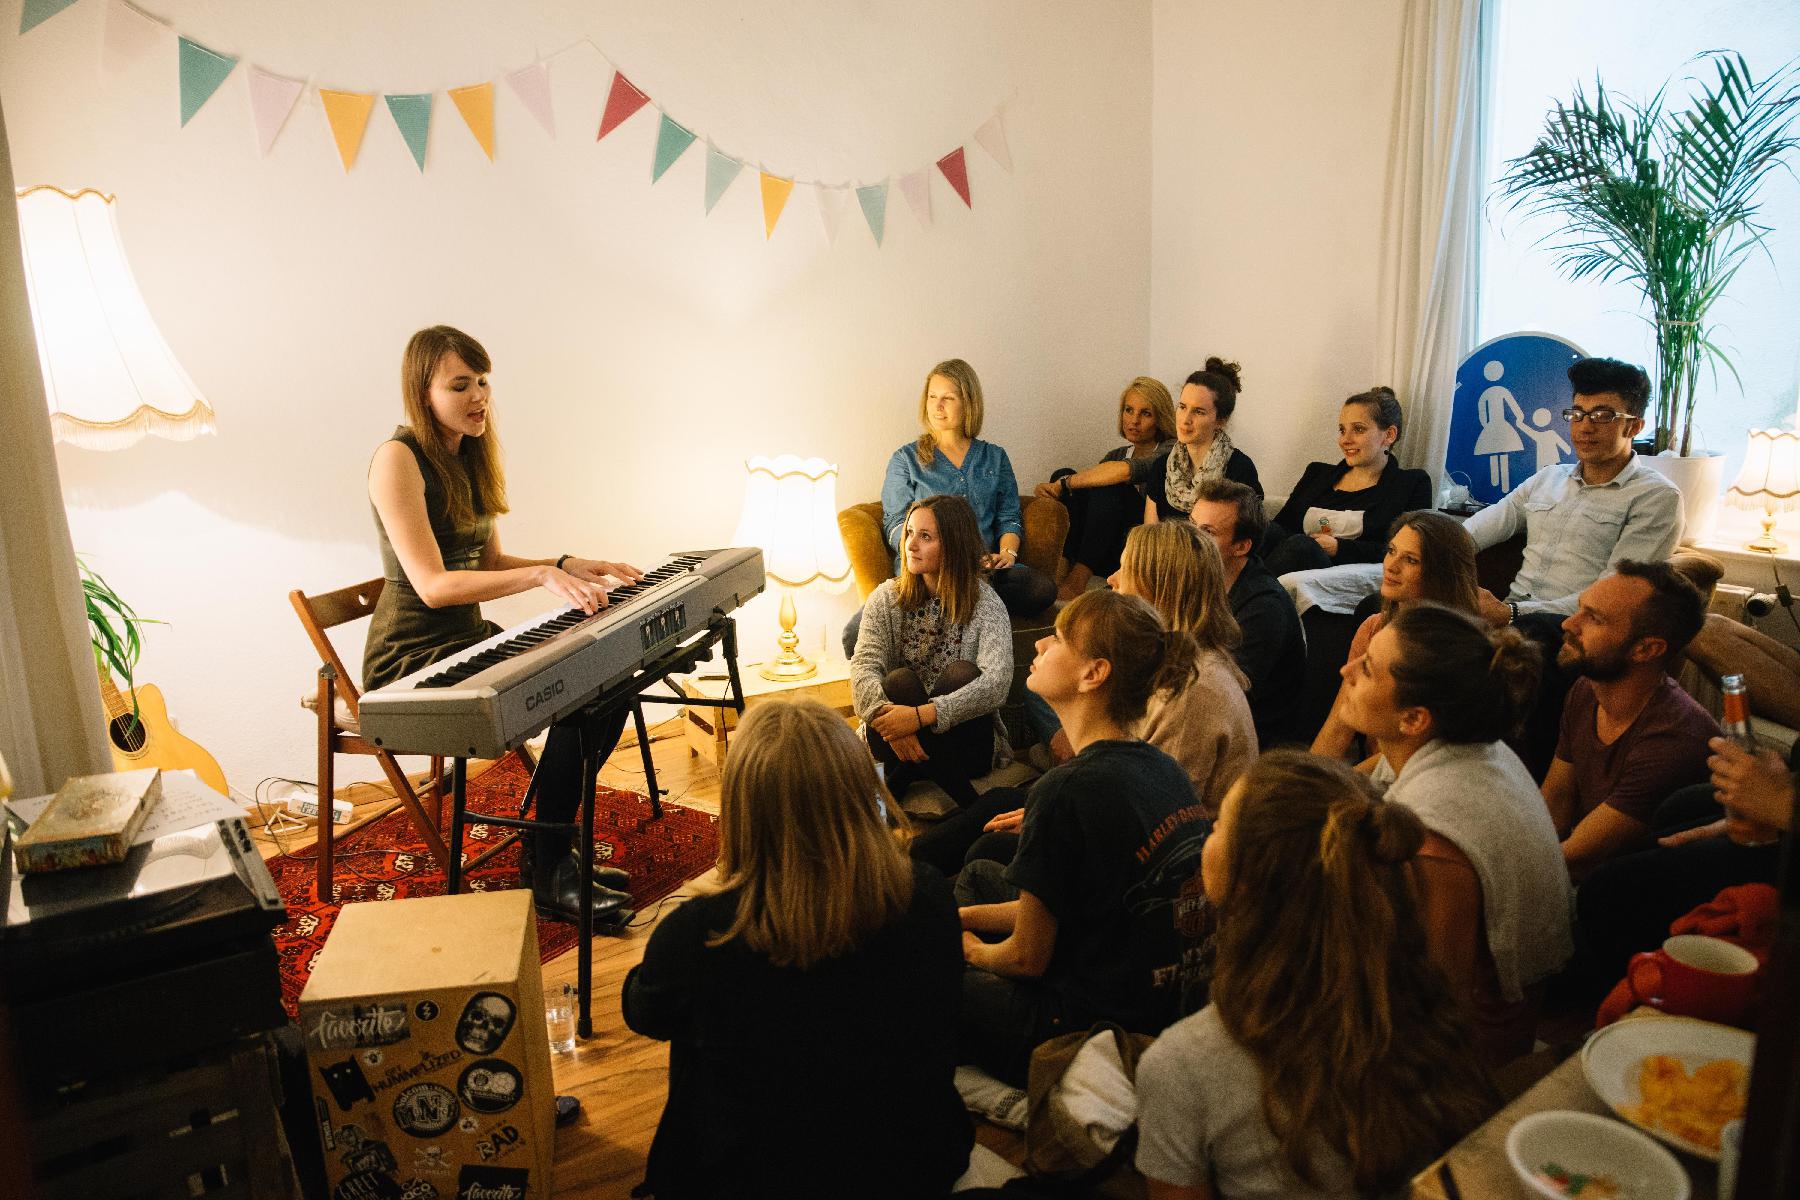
(1579, 519)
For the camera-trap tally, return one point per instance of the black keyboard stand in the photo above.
(588, 722)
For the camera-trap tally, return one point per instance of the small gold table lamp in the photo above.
(790, 511)
(1769, 480)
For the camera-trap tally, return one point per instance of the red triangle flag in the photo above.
(956, 170)
(621, 102)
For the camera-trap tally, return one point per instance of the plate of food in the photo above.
(1582, 1156)
(1676, 1078)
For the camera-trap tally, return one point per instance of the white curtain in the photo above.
(1429, 283)
(51, 722)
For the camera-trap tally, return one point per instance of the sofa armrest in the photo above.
(870, 557)
(1046, 529)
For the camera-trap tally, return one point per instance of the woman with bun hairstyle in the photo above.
(934, 657)
(1099, 518)
(1430, 556)
(767, 989)
(1083, 926)
(1437, 691)
(1339, 513)
(1203, 449)
(1331, 1061)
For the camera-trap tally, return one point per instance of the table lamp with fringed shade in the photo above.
(109, 376)
(790, 511)
(1770, 480)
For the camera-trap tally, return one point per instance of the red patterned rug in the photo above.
(660, 854)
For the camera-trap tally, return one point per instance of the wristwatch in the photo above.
(560, 561)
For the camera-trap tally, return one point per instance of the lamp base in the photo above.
(1767, 543)
(786, 669)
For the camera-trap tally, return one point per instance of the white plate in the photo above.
(1614, 1057)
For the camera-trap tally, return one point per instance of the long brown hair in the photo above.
(802, 839)
(474, 481)
(1128, 633)
(968, 386)
(1177, 568)
(1162, 405)
(959, 570)
(1323, 976)
(1447, 554)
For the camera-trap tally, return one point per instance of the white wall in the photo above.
(641, 349)
(1269, 153)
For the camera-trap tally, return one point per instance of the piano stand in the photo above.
(587, 722)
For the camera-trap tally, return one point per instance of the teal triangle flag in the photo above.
(672, 142)
(412, 113)
(38, 11)
(721, 169)
(874, 205)
(202, 72)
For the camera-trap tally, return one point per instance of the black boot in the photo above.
(555, 875)
(616, 878)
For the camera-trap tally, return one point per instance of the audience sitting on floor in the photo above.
(1630, 736)
(1429, 557)
(770, 990)
(1332, 1060)
(1084, 924)
(1436, 691)
(1100, 517)
(933, 656)
(1271, 649)
(1340, 512)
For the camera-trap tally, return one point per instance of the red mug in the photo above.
(1695, 976)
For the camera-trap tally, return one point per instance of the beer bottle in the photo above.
(1739, 828)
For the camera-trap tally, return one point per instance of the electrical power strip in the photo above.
(308, 806)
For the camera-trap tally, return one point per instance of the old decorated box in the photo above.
(425, 1040)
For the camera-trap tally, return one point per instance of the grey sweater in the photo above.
(986, 642)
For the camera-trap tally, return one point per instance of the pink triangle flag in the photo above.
(956, 170)
(532, 86)
(831, 202)
(916, 187)
(623, 100)
(130, 34)
(992, 136)
(271, 100)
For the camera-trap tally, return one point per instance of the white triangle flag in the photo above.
(992, 136)
(272, 98)
(130, 34)
(916, 187)
(831, 202)
(532, 86)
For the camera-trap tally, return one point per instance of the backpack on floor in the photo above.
(1082, 1095)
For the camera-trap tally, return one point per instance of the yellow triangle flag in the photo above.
(775, 197)
(348, 113)
(476, 104)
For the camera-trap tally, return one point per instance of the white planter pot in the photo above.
(1701, 478)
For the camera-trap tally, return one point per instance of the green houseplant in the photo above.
(113, 625)
(1666, 199)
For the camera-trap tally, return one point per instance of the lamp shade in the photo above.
(1770, 478)
(790, 511)
(109, 376)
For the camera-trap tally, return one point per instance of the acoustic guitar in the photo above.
(146, 739)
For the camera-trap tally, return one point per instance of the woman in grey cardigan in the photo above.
(933, 657)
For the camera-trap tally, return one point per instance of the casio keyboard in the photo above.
(492, 696)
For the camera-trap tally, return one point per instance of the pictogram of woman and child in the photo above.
(1500, 438)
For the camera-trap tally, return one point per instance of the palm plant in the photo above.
(113, 626)
(1663, 199)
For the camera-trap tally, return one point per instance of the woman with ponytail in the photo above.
(1084, 921)
(1331, 1061)
(1437, 691)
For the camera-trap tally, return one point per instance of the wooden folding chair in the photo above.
(339, 732)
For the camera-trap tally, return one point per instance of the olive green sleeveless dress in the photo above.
(405, 633)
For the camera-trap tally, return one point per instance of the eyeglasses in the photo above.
(1599, 416)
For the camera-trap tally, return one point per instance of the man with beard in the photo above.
(1630, 736)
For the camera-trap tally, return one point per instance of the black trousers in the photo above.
(954, 757)
(559, 782)
(1100, 519)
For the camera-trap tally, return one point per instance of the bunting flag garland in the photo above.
(721, 169)
(476, 104)
(621, 102)
(348, 113)
(831, 208)
(775, 192)
(916, 187)
(672, 141)
(130, 34)
(38, 11)
(992, 136)
(271, 100)
(873, 200)
(532, 86)
(202, 71)
(956, 170)
(412, 115)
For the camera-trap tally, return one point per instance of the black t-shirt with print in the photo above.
(1111, 846)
